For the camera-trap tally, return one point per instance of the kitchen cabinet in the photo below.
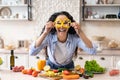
(116, 60)
(4, 58)
(81, 59)
(104, 61)
(94, 11)
(34, 59)
(20, 59)
(16, 10)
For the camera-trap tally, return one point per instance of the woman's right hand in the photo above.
(49, 25)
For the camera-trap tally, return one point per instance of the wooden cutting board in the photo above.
(51, 78)
(74, 76)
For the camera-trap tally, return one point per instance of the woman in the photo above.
(61, 35)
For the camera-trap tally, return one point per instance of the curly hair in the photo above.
(54, 16)
(53, 30)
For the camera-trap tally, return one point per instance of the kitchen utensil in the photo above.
(112, 44)
(110, 16)
(116, 2)
(91, 2)
(110, 1)
(1, 43)
(98, 38)
(5, 11)
(104, 1)
(119, 15)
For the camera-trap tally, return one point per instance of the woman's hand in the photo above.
(49, 25)
(77, 27)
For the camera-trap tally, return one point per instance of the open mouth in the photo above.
(62, 30)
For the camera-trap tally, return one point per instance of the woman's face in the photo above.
(62, 24)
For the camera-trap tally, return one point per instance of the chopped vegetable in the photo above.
(46, 68)
(76, 76)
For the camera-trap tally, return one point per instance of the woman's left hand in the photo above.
(77, 27)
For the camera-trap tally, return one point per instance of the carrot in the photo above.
(72, 76)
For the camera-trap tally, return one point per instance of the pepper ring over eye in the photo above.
(62, 23)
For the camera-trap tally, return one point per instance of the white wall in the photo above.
(42, 9)
(11, 31)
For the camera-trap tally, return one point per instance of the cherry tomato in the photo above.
(24, 71)
(29, 71)
(35, 73)
(66, 72)
(55, 71)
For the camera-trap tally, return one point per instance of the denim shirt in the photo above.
(72, 42)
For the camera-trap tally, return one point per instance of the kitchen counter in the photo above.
(10, 75)
(18, 51)
(108, 52)
(114, 52)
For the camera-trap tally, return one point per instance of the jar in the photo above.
(41, 64)
(116, 2)
(1, 43)
(110, 1)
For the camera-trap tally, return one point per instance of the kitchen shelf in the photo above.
(98, 12)
(18, 5)
(101, 19)
(102, 5)
(16, 11)
(12, 19)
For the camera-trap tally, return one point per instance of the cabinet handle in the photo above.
(37, 57)
(16, 57)
(102, 58)
(80, 58)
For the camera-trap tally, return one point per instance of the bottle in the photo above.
(12, 61)
(119, 15)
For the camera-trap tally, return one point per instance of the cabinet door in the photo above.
(81, 59)
(20, 59)
(116, 60)
(4, 59)
(104, 61)
(34, 59)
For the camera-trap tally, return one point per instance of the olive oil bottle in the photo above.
(12, 60)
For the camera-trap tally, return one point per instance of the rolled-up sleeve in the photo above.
(35, 50)
(32, 49)
(92, 50)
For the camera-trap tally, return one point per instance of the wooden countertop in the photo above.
(10, 75)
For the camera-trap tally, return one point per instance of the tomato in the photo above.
(15, 69)
(35, 73)
(24, 71)
(114, 72)
(29, 71)
(21, 68)
(55, 71)
(66, 72)
(82, 70)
